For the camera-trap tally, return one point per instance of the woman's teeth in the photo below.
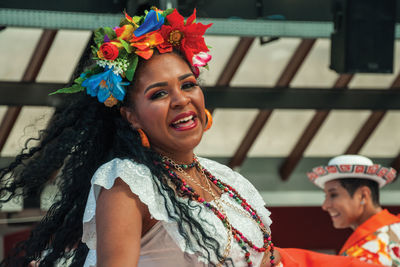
(186, 119)
(184, 122)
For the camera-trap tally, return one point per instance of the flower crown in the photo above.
(117, 51)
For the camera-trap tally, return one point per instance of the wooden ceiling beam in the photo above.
(312, 128)
(365, 132)
(37, 94)
(262, 117)
(233, 63)
(30, 74)
(370, 124)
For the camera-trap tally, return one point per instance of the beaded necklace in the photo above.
(243, 242)
(187, 166)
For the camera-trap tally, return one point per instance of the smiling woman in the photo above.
(168, 105)
(123, 149)
(124, 144)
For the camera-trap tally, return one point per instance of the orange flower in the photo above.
(125, 32)
(100, 54)
(145, 43)
(130, 19)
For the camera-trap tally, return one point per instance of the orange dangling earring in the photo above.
(143, 138)
(209, 120)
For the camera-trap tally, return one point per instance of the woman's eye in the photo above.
(188, 85)
(157, 95)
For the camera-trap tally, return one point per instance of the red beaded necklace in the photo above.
(186, 190)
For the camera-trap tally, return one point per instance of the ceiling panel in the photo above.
(221, 49)
(280, 133)
(228, 129)
(16, 48)
(336, 133)
(385, 140)
(315, 72)
(29, 122)
(264, 63)
(63, 56)
(2, 111)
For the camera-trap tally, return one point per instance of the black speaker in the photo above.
(363, 36)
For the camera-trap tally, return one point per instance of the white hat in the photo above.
(351, 166)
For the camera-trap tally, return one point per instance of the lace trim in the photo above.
(138, 178)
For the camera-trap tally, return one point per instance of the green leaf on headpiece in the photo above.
(75, 88)
(206, 67)
(98, 36)
(79, 80)
(95, 49)
(123, 22)
(168, 11)
(123, 54)
(127, 47)
(133, 61)
(137, 19)
(110, 33)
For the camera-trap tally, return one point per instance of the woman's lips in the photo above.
(185, 121)
(186, 125)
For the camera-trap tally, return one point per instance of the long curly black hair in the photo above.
(82, 135)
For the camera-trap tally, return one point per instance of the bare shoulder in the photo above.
(119, 223)
(118, 198)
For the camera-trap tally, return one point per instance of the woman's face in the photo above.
(345, 211)
(168, 106)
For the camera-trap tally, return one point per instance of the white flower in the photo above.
(201, 59)
(118, 65)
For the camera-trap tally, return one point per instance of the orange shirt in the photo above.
(376, 241)
(292, 257)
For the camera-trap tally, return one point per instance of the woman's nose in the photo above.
(180, 98)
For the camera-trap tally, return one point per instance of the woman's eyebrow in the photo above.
(155, 85)
(184, 76)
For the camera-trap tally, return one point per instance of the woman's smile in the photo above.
(185, 121)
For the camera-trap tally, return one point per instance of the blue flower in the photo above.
(105, 84)
(152, 22)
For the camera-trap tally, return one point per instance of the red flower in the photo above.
(109, 51)
(188, 37)
(396, 251)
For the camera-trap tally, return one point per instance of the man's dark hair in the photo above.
(352, 184)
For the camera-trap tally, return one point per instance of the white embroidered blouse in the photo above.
(163, 245)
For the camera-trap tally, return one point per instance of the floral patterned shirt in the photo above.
(376, 241)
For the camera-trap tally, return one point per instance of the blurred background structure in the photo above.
(278, 108)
